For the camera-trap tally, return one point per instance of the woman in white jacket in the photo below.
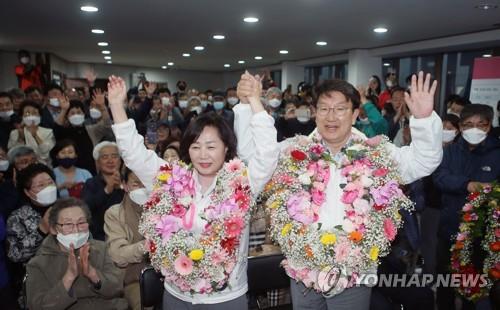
(209, 147)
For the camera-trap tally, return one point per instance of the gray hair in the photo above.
(19, 151)
(273, 90)
(64, 203)
(97, 149)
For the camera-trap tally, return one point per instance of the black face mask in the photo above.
(67, 162)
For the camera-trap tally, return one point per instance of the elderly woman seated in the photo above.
(70, 271)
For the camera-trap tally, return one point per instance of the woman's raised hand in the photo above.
(117, 97)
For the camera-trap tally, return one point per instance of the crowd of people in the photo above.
(77, 166)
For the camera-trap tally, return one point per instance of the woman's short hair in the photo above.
(29, 103)
(341, 86)
(60, 145)
(76, 104)
(193, 132)
(25, 176)
(65, 203)
(453, 119)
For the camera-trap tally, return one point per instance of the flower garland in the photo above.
(480, 220)
(196, 262)
(371, 199)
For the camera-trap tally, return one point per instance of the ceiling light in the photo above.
(258, 57)
(486, 6)
(109, 62)
(199, 48)
(219, 37)
(283, 52)
(241, 61)
(164, 67)
(107, 57)
(170, 64)
(227, 65)
(106, 52)
(386, 64)
(486, 55)
(380, 30)
(321, 43)
(103, 44)
(250, 19)
(186, 55)
(89, 8)
(98, 31)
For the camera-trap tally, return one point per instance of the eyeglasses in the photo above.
(339, 111)
(482, 125)
(69, 227)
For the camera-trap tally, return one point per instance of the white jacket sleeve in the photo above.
(143, 162)
(425, 152)
(257, 145)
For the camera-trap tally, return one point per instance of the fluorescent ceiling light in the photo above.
(103, 44)
(219, 37)
(380, 30)
(250, 19)
(89, 8)
(321, 43)
(98, 31)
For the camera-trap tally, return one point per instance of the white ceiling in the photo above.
(153, 32)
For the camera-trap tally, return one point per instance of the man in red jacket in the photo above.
(28, 74)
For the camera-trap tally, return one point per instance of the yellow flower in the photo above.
(397, 215)
(328, 239)
(286, 229)
(164, 177)
(275, 204)
(245, 172)
(374, 253)
(165, 262)
(196, 254)
(293, 168)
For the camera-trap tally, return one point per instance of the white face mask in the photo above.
(165, 101)
(139, 196)
(5, 115)
(218, 105)
(474, 135)
(25, 60)
(196, 109)
(95, 113)
(76, 119)
(204, 103)
(389, 83)
(183, 104)
(303, 115)
(31, 120)
(77, 239)
(274, 103)
(210, 98)
(232, 100)
(449, 135)
(364, 121)
(54, 102)
(47, 196)
(4, 165)
(450, 111)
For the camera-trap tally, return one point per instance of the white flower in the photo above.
(186, 200)
(305, 179)
(355, 147)
(348, 226)
(366, 181)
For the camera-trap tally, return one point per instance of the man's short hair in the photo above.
(484, 111)
(100, 146)
(341, 86)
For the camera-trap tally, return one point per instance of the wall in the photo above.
(8, 79)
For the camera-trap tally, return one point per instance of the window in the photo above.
(316, 74)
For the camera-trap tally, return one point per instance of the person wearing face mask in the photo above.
(126, 244)
(8, 192)
(52, 107)
(205, 103)
(455, 104)
(71, 125)
(70, 270)
(220, 107)
(273, 100)
(391, 81)
(69, 178)
(301, 122)
(370, 121)
(27, 226)
(27, 73)
(468, 164)
(231, 97)
(169, 112)
(450, 128)
(31, 134)
(193, 109)
(8, 118)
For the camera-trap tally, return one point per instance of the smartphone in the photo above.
(151, 136)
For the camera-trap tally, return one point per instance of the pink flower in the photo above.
(178, 211)
(382, 195)
(389, 229)
(461, 236)
(341, 250)
(201, 286)
(219, 257)
(234, 165)
(380, 172)
(183, 265)
(318, 196)
(317, 149)
(497, 232)
(348, 197)
(233, 226)
(299, 207)
(221, 210)
(167, 225)
(374, 141)
(467, 207)
(361, 206)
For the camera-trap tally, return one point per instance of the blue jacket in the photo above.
(459, 167)
(3, 267)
